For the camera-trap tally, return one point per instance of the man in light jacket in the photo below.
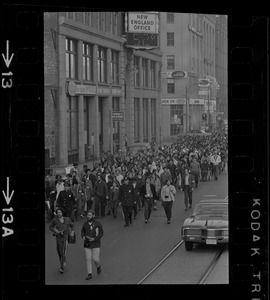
(168, 193)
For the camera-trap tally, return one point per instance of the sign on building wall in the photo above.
(118, 116)
(142, 29)
(172, 101)
(174, 74)
(211, 107)
(142, 22)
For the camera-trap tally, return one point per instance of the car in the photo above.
(207, 224)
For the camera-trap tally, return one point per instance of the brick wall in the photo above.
(50, 82)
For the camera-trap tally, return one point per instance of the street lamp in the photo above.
(187, 104)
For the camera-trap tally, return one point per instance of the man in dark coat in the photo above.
(91, 233)
(188, 184)
(127, 198)
(101, 196)
(66, 200)
(148, 192)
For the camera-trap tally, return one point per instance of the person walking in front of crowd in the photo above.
(188, 183)
(168, 193)
(114, 197)
(66, 200)
(61, 227)
(91, 233)
(215, 160)
(101, 196)
(127, 199)
(148, 191)
(195, 170)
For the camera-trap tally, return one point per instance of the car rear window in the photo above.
(211, 209)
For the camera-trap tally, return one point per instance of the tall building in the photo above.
(188, 47)
(99, 94)
(222, 66)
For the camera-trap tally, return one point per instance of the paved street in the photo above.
(128, 254)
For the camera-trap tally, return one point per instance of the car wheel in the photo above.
(188, 246)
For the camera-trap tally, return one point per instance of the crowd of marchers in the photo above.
(127, 182)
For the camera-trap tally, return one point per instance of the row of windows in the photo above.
(147, 81)
(142, 119)
(106, 21)
(88, 62)
(145, 72)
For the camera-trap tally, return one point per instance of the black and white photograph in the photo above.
(136, 148)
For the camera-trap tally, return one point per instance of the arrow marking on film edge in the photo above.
(7, 60)
(7, 196)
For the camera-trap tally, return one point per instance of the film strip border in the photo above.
(22, 145)
(248, 158)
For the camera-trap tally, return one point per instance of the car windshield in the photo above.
(211, 209)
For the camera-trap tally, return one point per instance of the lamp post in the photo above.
(187, 104)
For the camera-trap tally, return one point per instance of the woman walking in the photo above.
(61, 227)
(168, 193)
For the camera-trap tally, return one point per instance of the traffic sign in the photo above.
(203, 82)
(179, 74)
(117, 116)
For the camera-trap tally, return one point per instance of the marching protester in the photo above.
(61, 227)
(187, 186)
(148, 192)
(195, 170)
(127, 199)
(101, 196)
(114, 197)
(66, 200)
(91, 233)
(215, 160)
(168, 194)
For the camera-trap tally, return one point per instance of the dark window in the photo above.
(153, 74)
(71, 59)
(170, 88)
(153, 119)
(176, 119)
(136, 120)
(170, 18)
(170, 62)
(145, 120)
(145, 72)
(88, 62)
(115, 67)
(102, 64)
(136, 71)
(170, 38)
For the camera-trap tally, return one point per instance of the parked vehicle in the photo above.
(207, 224)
